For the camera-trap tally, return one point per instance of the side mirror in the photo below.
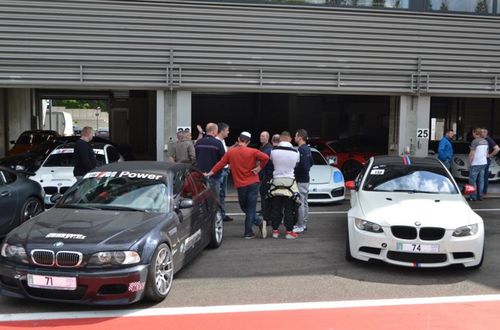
(351, 185)
(55, 198)
(332, 160)
(468, 190)
(186, 203)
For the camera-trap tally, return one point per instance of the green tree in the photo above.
(81, 104)
(482, 7)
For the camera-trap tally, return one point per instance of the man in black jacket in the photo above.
(85, 160)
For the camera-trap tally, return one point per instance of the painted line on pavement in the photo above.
(345, 212)
(249, 308)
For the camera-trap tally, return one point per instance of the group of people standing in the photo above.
(482, 150)
(277, 171)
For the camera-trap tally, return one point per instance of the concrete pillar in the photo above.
(160, 125)
(176, 112)
(414, 114)
(19, 108)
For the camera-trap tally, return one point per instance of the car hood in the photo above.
(51, 175)
(89, 227)
(320, 174)
(388, 209)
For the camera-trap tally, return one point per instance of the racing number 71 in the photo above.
(49, 280)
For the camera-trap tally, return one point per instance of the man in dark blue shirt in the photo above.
(209, 150)
(85, 160)
(267, 172)
(445, 148)
(302, 178)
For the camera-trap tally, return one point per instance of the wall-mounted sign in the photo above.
(422, 133)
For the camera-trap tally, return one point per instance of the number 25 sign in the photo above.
(423, 133)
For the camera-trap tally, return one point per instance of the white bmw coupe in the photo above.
(410, 212)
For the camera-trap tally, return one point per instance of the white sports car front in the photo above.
(410, 212)
(326, 184)
(460, 168)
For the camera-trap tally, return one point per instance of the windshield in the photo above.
(318, 159)
(118, 193)
(408, 178)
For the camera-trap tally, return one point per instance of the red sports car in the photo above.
(28, 140)
(348, 160)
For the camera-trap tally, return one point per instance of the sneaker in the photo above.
(249, 236)
(263, 229)
(227, 219)
(291, 235)
(276, 233)
(298, 229)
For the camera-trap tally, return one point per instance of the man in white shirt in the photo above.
(284, 188)
(478, 160)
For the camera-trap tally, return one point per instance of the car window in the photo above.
(9, 177)
(2, 178)
(113, 154)
(406, 178)
(194, 184)
(318, 159)
(178, 182)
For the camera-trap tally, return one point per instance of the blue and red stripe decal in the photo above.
(406, 160)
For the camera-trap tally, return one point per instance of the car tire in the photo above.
(160, 274)
(217, 232)
(31, 207)
(351, 169)
(348, 255)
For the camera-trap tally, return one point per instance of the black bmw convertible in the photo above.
(118, 235)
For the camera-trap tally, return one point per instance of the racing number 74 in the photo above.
(417, 247)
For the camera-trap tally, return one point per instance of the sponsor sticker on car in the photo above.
(123, 174)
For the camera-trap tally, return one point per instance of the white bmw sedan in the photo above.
(410, 212)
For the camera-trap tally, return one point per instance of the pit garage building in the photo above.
(396, 70)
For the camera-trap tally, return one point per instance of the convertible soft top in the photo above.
(162, 168)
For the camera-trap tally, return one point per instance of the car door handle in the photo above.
(5, 194)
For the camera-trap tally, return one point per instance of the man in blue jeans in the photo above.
(445, 149)
(493, 150)
(478, 159)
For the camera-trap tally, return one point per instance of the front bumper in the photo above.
(325, 193)
(99, 286)
(463, 174)
(467, 251)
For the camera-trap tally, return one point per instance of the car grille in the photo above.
(425, 233)
(50, 190)
(77, 294)
(338, 192)
(464, 173)
(420, 258)
(431, 233)
(62, 190)
(43, 257)
(404, 232)
(61, 259)
(318, 196)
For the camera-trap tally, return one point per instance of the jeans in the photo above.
(264, 189)
(486, 176)
(222, 185)
(447, 164)
(304, 206)
(476, 178)
(247, 197)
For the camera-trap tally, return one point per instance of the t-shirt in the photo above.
(284, 158)
(480, 147)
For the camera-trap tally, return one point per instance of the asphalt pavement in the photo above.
(309, 269)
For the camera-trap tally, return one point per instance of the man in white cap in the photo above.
(246, 164)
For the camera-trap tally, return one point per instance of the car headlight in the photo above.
(17, 252)
(114, 258)
(458, 161)
(337, 177)
(466, 231)
(368, 226)
(20, 167)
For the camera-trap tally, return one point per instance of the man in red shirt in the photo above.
(245, 168)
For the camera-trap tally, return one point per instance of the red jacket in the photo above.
(242, 160)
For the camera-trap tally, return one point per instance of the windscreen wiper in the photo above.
(77, 206)
(121, 208)
(414, 191)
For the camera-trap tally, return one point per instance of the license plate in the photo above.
(418, 248)
(52, 282)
